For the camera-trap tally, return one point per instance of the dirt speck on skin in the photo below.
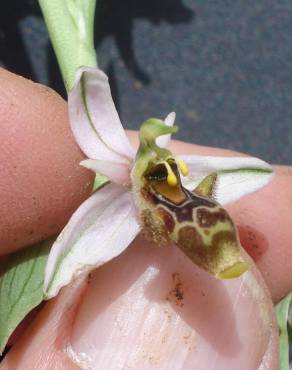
(176, 294)
(167, 313)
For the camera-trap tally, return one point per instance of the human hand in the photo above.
(48, 184)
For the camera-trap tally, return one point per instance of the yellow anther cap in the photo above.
(184, 169)
(171, 178)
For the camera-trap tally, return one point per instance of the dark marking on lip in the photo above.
(223, 237)
(167, 219)
(205, 256)
(182, 211)
(208, 218)
(190, 240)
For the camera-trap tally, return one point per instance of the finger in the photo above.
(41, 182)
(151, 308)
(264, 222)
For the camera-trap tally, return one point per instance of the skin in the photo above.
(34, 119)
(36, 147)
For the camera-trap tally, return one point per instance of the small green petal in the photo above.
(153, 128)
(99, 182)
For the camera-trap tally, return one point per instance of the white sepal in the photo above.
(118, 173)
(101, 228)
(94, 120)
(237, 176)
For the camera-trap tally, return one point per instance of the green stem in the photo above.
(70, 25)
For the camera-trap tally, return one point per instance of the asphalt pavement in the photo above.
(225, 67)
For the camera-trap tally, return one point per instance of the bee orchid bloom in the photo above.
(173, 199)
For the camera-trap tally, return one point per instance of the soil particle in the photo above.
(176, 294)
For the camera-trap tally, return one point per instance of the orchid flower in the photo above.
(173, 199)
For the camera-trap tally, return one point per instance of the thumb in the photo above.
(151, 308)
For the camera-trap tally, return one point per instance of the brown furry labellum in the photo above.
(194, 221)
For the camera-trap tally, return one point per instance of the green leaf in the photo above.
(282, 310)
(70, 25)
(21, 286)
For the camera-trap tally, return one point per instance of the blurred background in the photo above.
(224, 67)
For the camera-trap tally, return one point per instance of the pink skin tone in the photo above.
(39, 195)
(35, 149)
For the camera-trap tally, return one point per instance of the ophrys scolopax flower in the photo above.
(173, 199)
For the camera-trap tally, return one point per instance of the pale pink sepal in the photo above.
(118, 173)
(94, 120)
(163, 141)
(237, 176)
(101, 228)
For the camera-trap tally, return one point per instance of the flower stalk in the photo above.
(70, 24)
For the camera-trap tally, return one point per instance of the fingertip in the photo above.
(264, 219)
